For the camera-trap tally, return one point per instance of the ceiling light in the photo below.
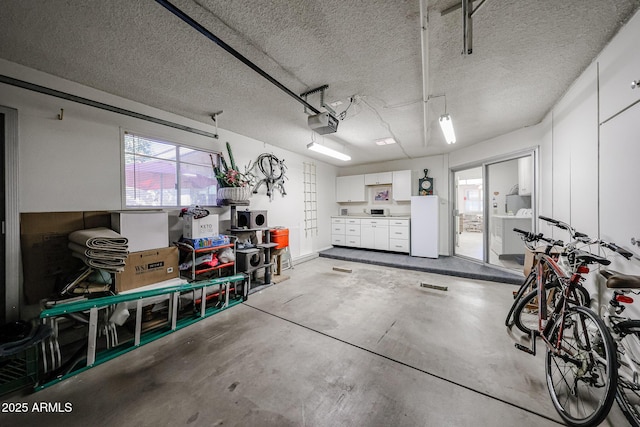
(447, 128)
(322, 149)
(385, 141)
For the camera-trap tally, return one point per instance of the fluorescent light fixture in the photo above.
(314, 146)
(385, 141)
(447, 128)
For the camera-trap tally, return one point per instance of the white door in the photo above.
(367, 237)
(619, 178)
(381, 237)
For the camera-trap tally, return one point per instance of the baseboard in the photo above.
(305, 258)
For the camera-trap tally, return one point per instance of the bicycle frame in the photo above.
(548, 263)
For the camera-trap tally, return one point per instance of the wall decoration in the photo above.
(382, 194)
(425, 185)
(273, 170)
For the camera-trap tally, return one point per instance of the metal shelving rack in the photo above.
(194, 253)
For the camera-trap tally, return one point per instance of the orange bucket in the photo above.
(280, 236)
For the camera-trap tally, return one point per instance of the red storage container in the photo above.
(280, 236)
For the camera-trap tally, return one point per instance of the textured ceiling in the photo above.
(525, 56)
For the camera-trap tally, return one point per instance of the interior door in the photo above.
(619, 202)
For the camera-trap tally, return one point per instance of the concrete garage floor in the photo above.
(324, 348)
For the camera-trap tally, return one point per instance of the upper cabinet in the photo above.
(619, 66)
(350, 189)
(378, 178)
(525, 175)
(401, 186)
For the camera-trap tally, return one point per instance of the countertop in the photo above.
(372, 216)
(512, 217)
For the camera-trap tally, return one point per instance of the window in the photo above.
(163, 174)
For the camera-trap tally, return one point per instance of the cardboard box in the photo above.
(529, 258)
(46, 259)
(201, 227)
(145, 230)
(148, 267)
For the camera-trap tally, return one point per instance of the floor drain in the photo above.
(430, 286)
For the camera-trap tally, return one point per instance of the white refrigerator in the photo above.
(424, 226)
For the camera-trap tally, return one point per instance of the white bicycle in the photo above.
(626, 334)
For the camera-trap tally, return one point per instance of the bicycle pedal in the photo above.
(525, 349)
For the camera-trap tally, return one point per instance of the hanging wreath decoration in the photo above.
(273, 170)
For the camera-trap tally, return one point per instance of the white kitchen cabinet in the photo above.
(399, 235)
(352, 232)
(505, 241)
(401, 186)
(338, 231)
(378, 178)
(525, 175)
(350, 189)
(374, 233)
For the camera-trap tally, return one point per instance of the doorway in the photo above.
(490, 200)
(510, 195)
(469, 218)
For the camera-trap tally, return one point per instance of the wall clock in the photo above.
(425, 185)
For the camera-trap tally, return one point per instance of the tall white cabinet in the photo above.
(424, 226)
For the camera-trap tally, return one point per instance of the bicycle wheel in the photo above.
(628, 393)
(525, 315)
(581, 367)
(526, 287)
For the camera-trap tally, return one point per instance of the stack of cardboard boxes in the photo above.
(151, 259)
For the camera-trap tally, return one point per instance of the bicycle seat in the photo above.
(589, 258)
(623, 281)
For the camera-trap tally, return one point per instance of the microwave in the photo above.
(379, 212)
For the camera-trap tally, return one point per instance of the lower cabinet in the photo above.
(338, 229)
(375, 234)
(399, 235)
(371, 233)
(352, 232)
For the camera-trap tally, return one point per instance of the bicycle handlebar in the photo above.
(584, 238)
(615, 248)
(549, 220)
(530, 237)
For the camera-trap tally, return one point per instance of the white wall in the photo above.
(438, 170)
(74, 164)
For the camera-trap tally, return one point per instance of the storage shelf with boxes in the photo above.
(151, 295)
